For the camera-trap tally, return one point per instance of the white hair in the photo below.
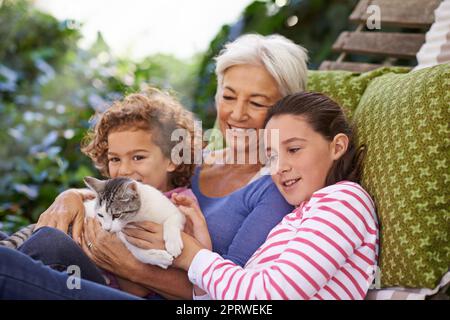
(281, 57)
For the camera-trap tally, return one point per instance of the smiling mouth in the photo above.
(237, 129)
(290, 182)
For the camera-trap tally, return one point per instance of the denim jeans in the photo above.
(21, 277)
(57, 250)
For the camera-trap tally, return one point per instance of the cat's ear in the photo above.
(94, 184)
(132, 186)
(130, 191)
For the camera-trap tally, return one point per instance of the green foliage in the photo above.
(49, 91)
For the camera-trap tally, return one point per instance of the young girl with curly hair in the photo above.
(134, 139)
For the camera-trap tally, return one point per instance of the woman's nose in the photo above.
(239, 111)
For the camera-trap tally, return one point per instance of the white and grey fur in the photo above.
(120, 201)
(18, 238)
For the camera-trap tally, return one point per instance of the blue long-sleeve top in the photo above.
(239, 223)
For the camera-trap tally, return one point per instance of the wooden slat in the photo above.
(348, 66)
(398, 45)
(403, 13)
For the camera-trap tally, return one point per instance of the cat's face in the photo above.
(117, 201)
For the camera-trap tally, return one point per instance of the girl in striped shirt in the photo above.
(327, 248)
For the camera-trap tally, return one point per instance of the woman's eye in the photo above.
(258, 105)
(100, 215)
(228, 97)
(114, 160)
(137, 158)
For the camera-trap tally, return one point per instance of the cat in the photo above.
(15, 240)
(120, 201)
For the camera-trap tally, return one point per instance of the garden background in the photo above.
(51, 89)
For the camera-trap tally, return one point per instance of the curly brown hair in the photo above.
(155, 111)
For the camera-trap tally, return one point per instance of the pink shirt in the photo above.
(327, 248)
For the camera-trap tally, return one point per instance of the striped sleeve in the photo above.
(326, 240)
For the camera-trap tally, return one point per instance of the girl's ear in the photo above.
(339, 146)
(171, 167)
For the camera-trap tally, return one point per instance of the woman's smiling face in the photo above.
(133, 154)
(300, 159)
(247, 92)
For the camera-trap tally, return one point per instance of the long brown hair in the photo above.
(327, 118)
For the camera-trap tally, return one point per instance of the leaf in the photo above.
(31, 191)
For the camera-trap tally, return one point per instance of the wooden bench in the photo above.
(412, 18)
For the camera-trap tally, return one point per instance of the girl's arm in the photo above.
(316, 257)
(195, 226)
(195, 220)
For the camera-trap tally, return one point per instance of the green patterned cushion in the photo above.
(403, 119)
(346, 87)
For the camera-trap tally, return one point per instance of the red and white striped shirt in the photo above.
(327, 248)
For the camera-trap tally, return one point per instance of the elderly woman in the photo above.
(240, 203)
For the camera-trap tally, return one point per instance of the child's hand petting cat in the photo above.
(195, 223)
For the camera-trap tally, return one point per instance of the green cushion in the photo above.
(403, 119)
(346, 87)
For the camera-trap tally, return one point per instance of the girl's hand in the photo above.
(195, 223)
(190, 248)
(107, 250)
(67, 209)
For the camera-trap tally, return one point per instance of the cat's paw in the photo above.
(173, 241)
(159, 258)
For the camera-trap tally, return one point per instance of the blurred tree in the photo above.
(49, 91)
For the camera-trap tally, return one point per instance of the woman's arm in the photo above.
(108, 252)
(171, 283)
